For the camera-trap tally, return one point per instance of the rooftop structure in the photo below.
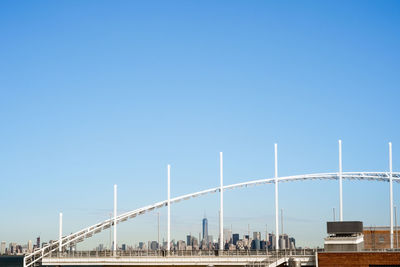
(344, 236)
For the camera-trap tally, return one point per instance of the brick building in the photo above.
(358, 259)
(376, 238)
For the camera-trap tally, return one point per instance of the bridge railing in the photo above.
(183, 253)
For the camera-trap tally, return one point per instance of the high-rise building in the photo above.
(30, 246)
(195, 243)
(141, 245)
(263, 245)
(189, 239)
(272, 241)
(283, 241)
(38, 242)
(235, 238)
(205, 229)
(257, 235)
(181, 245)
(154, 245)
(227, 235)
(292, 243)
(3, 247)
(255, 244)
(13, 248)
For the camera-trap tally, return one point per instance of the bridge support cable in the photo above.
(391, 194)
(221, 203)
(115, 220)
(169, 208)
(276, 199)
(340, 183)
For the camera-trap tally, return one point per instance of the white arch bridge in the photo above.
(36, 257)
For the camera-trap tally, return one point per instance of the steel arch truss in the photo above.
(36, 256)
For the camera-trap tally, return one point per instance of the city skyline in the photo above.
(232, 241)
(93, 95)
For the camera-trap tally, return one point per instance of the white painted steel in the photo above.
(282, 221)
(397, 230)
(276, 199)
(115, 219)
(340, 183)
(60, 233)
(221, 203)
(334, 215)
(391, 194)
(169, 209)
(278, 262)
(79, 236)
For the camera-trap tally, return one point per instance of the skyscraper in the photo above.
(13, 248)
(235, 238)
(205, 229)
(189, 240)
(30, 246)
(272, 241)
(227, 235)
(257, 235)
(3, 247)
(256, 241)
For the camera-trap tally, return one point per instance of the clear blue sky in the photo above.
(96, 93)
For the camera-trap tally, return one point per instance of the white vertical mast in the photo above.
(395, 223)
(334, 215)
(169, 209)
(221, 207)
(276, 199)
(391, 194)
(340, 183)
(60, 233)
(282, 222)
(115, 220)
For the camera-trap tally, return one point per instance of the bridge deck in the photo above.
(307, 260)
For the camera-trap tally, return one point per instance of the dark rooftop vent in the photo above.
(348, 227)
